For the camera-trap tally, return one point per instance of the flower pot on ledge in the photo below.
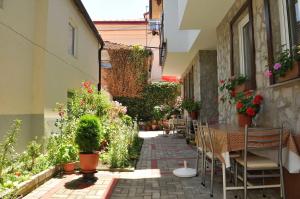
(293, 73)
(244, 120)
(240, 88)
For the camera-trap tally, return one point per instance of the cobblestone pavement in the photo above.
(162, 155)
(152, 178)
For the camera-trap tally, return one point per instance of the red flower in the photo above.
(18, 173)
(232, 93)
(248, 93)
(251, 112)
(90, 90)
(239, 105)
(257, 99)
(86, 84)
(222, 81)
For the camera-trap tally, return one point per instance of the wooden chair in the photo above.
(210, 155)
(180, 126)
(261, 139)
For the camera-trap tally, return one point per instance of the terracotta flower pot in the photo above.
(194, 115)
(291, 74)
(88, 162)
(69, 168)
(244, 120)
(240, 88)
(154, 127)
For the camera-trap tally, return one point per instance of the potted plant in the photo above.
(192, 107)
(232, 86)
(68, 155)
(286, 66)
(87, 137)
(247, 106)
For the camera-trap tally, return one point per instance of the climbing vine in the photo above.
(129, 73)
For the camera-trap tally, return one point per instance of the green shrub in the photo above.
(7, 146)
(88, 134)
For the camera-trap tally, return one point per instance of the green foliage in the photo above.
(190, 105)
(33, 151)
(88, 134)
(121, 140)
(285, 59)
(134, 107)
(7, 145)
(67, 153)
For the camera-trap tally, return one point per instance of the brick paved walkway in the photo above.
(152, 178)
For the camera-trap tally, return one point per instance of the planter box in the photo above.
(290, 74)
(240, 88)
(34, 181)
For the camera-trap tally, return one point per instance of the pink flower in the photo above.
(277, 66)
(268, 73)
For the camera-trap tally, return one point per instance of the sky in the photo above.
(116, 9)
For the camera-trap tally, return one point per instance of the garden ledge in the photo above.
(34, 181)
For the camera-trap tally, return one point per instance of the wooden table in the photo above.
(228, 138)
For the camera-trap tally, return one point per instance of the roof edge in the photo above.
(88, 19)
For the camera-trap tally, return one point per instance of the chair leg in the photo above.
(197, 163)
(263, 182)
(224, 181)
(282, 190)
(212, 171)
(245, 183)
(204, 172)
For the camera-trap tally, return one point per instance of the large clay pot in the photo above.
(69, 168)
(244, 120)
(291, 74)
(194, 115)
(88, 162)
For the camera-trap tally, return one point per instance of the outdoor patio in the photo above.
(153, 177)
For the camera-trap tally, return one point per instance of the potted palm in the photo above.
(192, 107)
(87, 138)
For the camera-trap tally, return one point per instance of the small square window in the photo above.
(72, 40)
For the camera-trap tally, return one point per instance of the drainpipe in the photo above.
(99, 58)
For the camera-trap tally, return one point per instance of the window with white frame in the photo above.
(244, 46)
(71, 39)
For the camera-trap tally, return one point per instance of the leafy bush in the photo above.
(190, 105)
(88, 134)
(7, 146)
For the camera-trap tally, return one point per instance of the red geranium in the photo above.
(257, 99)
(239, 105)
(86, 84)
(251, 112)
(232, 93)
(90, 90)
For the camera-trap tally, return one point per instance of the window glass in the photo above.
(71, 37)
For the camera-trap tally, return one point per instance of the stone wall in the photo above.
(204, 66)
(281, 101)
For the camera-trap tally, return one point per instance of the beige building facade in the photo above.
(47, 48)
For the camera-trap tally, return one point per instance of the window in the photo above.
(72, 40)
(244, 46)
(294, 21)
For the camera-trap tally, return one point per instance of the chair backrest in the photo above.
(181, 122)
(208, 136)
(264, 138)
(199, 137)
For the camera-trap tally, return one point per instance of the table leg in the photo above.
(224, 180)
